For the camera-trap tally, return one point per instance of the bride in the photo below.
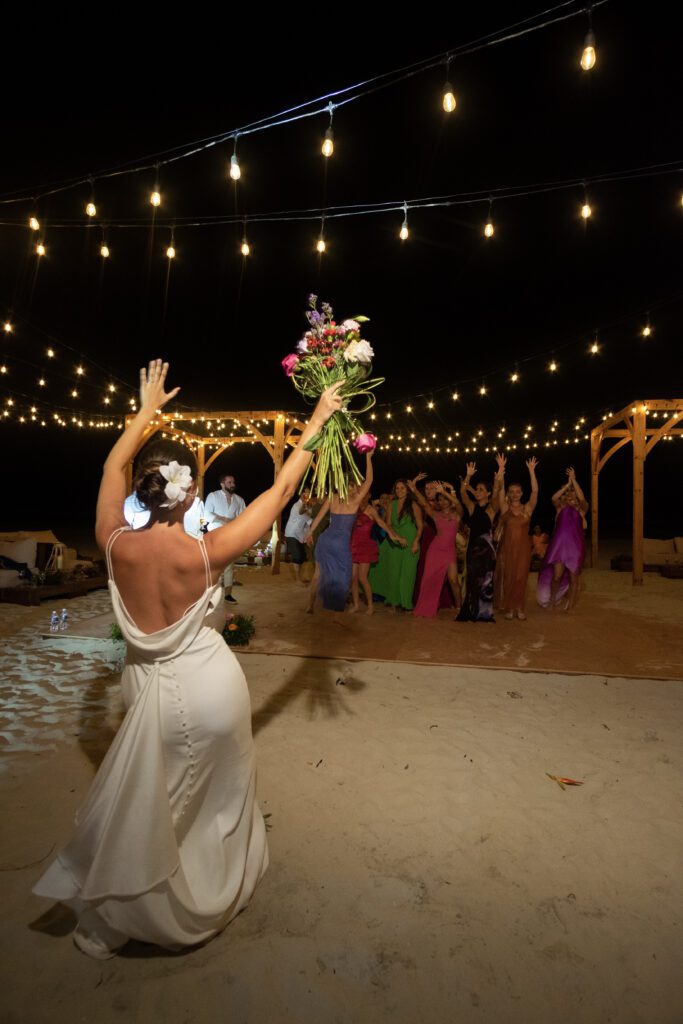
(170, 842)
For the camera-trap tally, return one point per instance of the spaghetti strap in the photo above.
(207, 567)
(110, 543)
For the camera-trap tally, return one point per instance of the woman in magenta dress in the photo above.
(365, 550)
(441, 562)
(561, 569)
(428, 535)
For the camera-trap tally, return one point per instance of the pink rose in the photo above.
(290, 363)
(365, 443)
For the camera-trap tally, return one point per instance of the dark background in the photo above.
(447, 307)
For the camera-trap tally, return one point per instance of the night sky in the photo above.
(449, 309)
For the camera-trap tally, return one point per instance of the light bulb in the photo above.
(514, 377)
(594, 349)
(328, 143)
(403, 233)
(449, 100)
(74, 393)
(647, 331)
(50, 353)
(588, 55)
(155, 198)
(170, 252)
(7, 327)
(42, 382)
(552, 366)
(40, 249)
(34, 224)
(91, 210)
(235, 171)
(586, 211)
(321, 245)
(245, 250)
(455, 396)
(104, 251)
(489, 229)
(80, 371)
(112, 387)
(482, 390)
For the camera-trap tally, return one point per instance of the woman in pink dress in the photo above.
(564, 557)
(441, 562)
(514, 547)
(428, 535)
(365, 550)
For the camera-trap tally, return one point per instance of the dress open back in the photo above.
(170, 842)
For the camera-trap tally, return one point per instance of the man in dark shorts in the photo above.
(298, 524)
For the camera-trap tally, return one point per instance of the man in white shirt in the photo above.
(137, 515)
(298, 525)
(222, 507)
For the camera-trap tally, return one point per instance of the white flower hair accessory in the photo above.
(179, 481)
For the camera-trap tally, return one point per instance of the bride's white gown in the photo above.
(170, 842)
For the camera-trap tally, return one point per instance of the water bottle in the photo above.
(54, 622)
(64, 620)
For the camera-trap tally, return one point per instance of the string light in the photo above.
(482, 389)
(235, 169)
(40, 249)
(34, 224)
(7, 327)
(91, 209)
(80, 371)
(104, 251)
(42, 383)
(328, 141)
(244, 248)
(647, 329)
(595, 348)
(430, 405)
(489, 229)
(170, 251)
(50, 353)
(455, 396)
(552, 366)
(514, 377)
(449, 101)
(409, 408)
(320, 246)
(403, 233)
(586, 210)
(588, 56)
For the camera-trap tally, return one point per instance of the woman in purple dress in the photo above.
(559, 576)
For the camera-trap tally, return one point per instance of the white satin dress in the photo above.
(170, 843)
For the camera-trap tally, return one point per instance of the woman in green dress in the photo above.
(393, 578)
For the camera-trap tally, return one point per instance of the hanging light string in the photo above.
(455, 390)
(349, 94)
(469, 198)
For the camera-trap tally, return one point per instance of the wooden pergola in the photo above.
(638, 424)
(209, 434)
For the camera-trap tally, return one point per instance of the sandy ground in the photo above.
(424, 868)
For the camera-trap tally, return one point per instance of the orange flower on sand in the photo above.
(232, 626)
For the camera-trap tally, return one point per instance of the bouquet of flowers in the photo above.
(327, 353)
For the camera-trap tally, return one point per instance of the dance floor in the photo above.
(424, 864)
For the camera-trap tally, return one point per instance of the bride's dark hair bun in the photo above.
(148, 483)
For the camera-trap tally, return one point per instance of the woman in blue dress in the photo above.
(333, 560)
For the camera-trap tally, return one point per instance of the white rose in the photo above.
(358, 352)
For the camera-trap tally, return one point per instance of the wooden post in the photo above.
(278, 460)
(596, 441)
(200, 471)
(638, 483)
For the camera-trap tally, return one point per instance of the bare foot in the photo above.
(340, 621)
(370, 611)
(353, 609)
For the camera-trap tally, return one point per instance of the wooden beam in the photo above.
(666, 428)
(278, 453)
(595, 479)
(638, 485)
(608, 454)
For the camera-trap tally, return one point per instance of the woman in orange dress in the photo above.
(514, 548)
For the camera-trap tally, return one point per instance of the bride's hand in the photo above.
(152, 381)
(329, 402)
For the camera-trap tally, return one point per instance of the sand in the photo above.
(424, 868)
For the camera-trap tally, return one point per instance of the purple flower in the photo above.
(302, 346)
(290, 363)
(365, 443)
(312, 300)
